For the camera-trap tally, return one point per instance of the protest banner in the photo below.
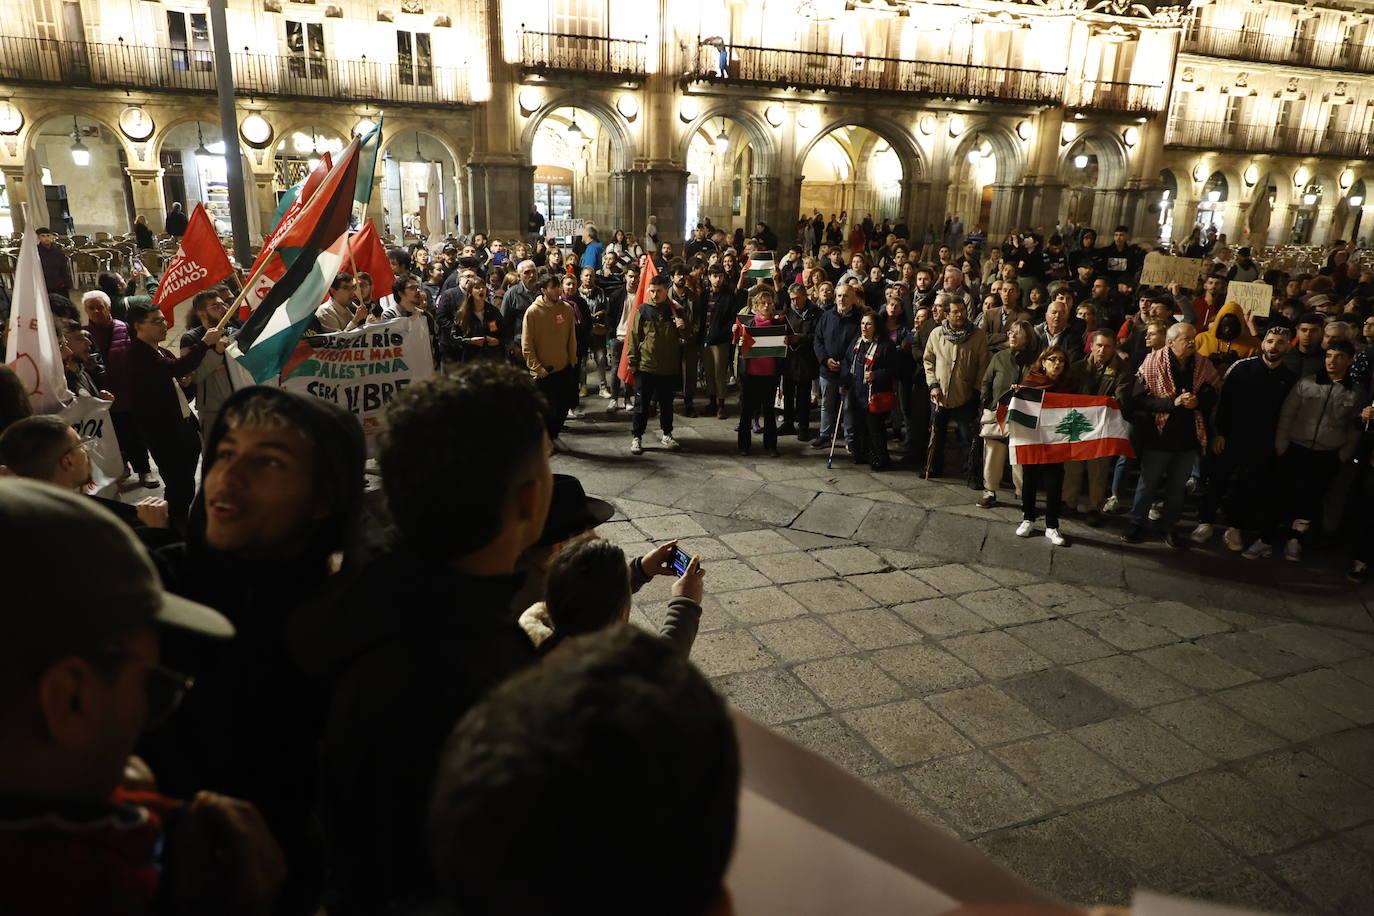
(561, 228)
(90, 417)
(362, 370)
(1253, 298)
(1163, 269)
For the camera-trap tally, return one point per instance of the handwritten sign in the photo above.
(563, 228)
(1253, 298)
(1162, 269)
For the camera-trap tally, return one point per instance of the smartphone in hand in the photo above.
(679, 561)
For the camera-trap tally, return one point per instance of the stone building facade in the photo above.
(1253, 115)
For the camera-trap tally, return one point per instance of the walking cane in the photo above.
(830, 459)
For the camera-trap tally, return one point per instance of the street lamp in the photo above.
(203, 155)
(80, 155)
(722, 139)
(313, 160)
(575, 133)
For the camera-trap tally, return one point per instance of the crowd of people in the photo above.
(289, 694)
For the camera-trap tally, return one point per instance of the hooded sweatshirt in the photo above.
(1210, 343)
(249, 728)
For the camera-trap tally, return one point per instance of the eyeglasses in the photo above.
(85, 441)
(1053, 359)
(164, 689)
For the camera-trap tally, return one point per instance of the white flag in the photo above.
(32, 350)
(90, 417)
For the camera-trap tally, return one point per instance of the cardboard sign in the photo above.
(563, 228)
(1253, 298)
(1163, 269)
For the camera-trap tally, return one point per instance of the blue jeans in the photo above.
(1170, 468)
(830, 410)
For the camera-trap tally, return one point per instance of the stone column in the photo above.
(622, 202)
(500, 191)
(1005, 211)
(764, 191)
(149, 201)
(667, 201)
(18, 194)
(1322, 225)
(1046, 199)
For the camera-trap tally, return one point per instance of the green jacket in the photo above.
(654, 343)
(1008, 367)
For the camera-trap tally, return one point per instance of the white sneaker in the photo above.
(613, 406)
(670, 443)
(636, 446)
(1054, 537)
(1201, 534)
(575, 413)
(1292, 550)
(1156, 510)
(560, 446)
(1231, 537)
(1024, 529)
(605, 392)
(1111, 506)
(1258, 551)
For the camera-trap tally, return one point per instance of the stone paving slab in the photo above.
(1096, 717)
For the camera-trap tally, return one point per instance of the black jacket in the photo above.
(249, 728)
(835, 335)
(1247, 413)
(414, 647)
(1180, 431)
(801, 356)
(720, 310)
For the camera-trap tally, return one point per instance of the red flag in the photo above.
(292, 213)
(199, 264)
(645, 275)
(370, 257)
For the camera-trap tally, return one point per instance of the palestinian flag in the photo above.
(761, 265)
(754, 343)
(1048, 428)
(633, 301)
(266, 340)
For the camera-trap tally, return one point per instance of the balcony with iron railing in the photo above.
(1269, 138)
(1099, 95)
(807, 70)
(152, 69)
(562, 52)
(1237, 44)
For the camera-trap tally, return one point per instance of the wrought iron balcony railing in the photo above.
(129, 66)
(561, 52)
(1269, 138)
(822, 70)
(1106, 96)
(1237, 44)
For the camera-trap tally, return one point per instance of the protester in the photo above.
(1005, 371)
(1174, 391)
(549, 345)
(211, 384)
(956, 357)
(1103, 374)
(1049, 372)
(477, 332)
(800, 369)
(1317, 433)
(83, 680)
(867, 379)
(403, 664)
(653, 344)
(276, 515)
(1241, 473)
(57, 271)
(143, 377)
(759, 376)
(836, 331)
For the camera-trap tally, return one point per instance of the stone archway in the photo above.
(590, 148)
(739, 182)
(914, 168)
(984, 171)
(1094, 168)
(85, 159)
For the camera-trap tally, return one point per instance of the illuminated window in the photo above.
(188, 35)
(413, 58)
(305, 49)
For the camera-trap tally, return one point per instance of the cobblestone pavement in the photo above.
(1095, 717)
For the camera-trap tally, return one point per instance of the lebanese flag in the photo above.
(199, 264)
(31, 350)
(647, 273)
(369, 257)
(1045, 427)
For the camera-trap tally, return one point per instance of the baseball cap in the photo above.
(46, 536)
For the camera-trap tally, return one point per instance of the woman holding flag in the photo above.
(867, 381)
(759, 375)
(1049, 372)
